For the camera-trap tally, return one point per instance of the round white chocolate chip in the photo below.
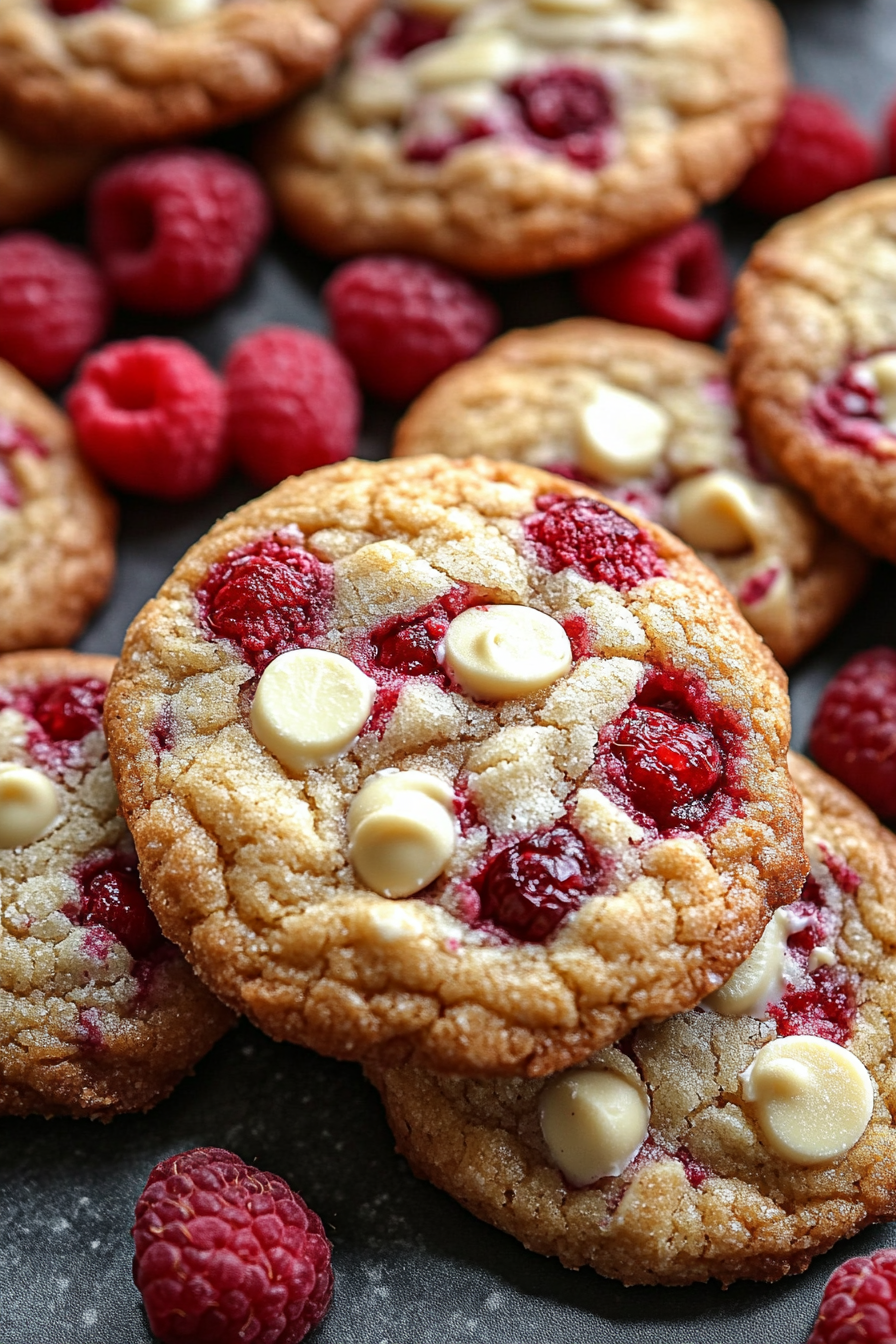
(401, 831)
(502, 653)
(594, 1121)
(28, 805)
(881, 372)
(310, 706)
(813, 1099)
(718, 512)
(759, 980)
(621, 435)
(456, 60)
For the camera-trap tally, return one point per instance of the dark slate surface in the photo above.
(411, 1266)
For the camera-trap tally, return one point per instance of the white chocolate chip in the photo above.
(881, 373)
(310, 706)
(28, 805)
(719, 511)
(402, 831)
(395, 923)
(168, 13)
(457, 60)
(759, 980)
(376, 91)
(621, 435)
(504, 652)
(594, 1121)
(821, 956)
(813, 1099)
(603, 823)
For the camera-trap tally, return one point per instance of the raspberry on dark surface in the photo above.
(406, 32)
(817, 150)
(849, 411)
(227, 1254)
(859, 1302)
(567, 107)
(527, 888)
(54, 305)
(111, 898)
(402, 321)
(292, 404)
(175, 229)
(677, 283)
(588, 536)
(854, 732)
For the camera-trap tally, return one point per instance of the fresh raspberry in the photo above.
(677, 283)
(112, 898)
(859, 1302)
(175, 229)
(292, 404)
(149, 415)
(54, 305)
(569, 106)
(529, 887)
(588, 536)
(669, 763)
(402, 321)
(818, 149)
(228, 1254)
(854, 732)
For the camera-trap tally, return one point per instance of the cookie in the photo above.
(121, 72)
(452, 762)
(814, 358)
(747, 1136)
(35, 179)
(649, 420)
(98, 1013)
(513, 136)
(57, 526)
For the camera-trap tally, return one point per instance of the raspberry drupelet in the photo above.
(854, 732)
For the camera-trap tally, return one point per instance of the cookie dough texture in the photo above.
(818, 292)
(699, 85)
(34, 179)
(57, 548)
(112, 76)
(80, 1035)
(246, 866)
(755, 1216)
(522, 400)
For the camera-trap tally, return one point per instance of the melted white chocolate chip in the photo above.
(402, 831)
(28, 805)
(494, 56)
(881, 373)
(504, 652)
(310, 706)
(594, 1121)
(759, 980)
(813, 1099)
(718, 511)
(621, 435)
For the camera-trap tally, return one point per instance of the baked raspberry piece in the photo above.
(670, 763)
(406, 32)
(174, 230)
(859, 1302)
(112, 898)
(402, 321)
(818, 149)
(226, 1253)
(292, 404)
(854, 732)
(54, 305)
(849, 410)
(149, 416)
(570, 108)
(677, 283)
(593, 539)
(528, 887)
(66, 8)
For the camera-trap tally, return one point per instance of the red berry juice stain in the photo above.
(111, 898)
(62, 714)
(407, 32)
(89, 1033)
(759, 586)
(597, 542)
(529, 885)
(824, 1004)
(162, 735)
(580, 636)
(566, 109)
(849, 412)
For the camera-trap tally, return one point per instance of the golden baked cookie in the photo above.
(34, 179)
(118, 72)
(649, 420)
(57, 525)
(453, 763)
(736, 1141)
(98, 1013)
(813, 357)
(513, 136)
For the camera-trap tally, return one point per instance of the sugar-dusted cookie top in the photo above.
(453, 762)
(735, 1141)
(98, 1013)
(649, 420)
(814, 357)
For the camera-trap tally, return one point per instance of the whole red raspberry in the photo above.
(174, 230)
(818, 149)
(54, 305)
(292, 404)
(854, 733)
(226, 1253)
(149, 416)
(859, 1303)
(677, 283)
(402, 321)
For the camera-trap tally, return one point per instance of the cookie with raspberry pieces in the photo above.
(735, 1141)
(98, 1013)
(814, 358)
(514, 136)
(650, 421)
(57, 526)
(453, 763)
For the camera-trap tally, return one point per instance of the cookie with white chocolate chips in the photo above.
(453, 762)
(736, 1141)
(514, 136)
(650, 421)
(98, 1013)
